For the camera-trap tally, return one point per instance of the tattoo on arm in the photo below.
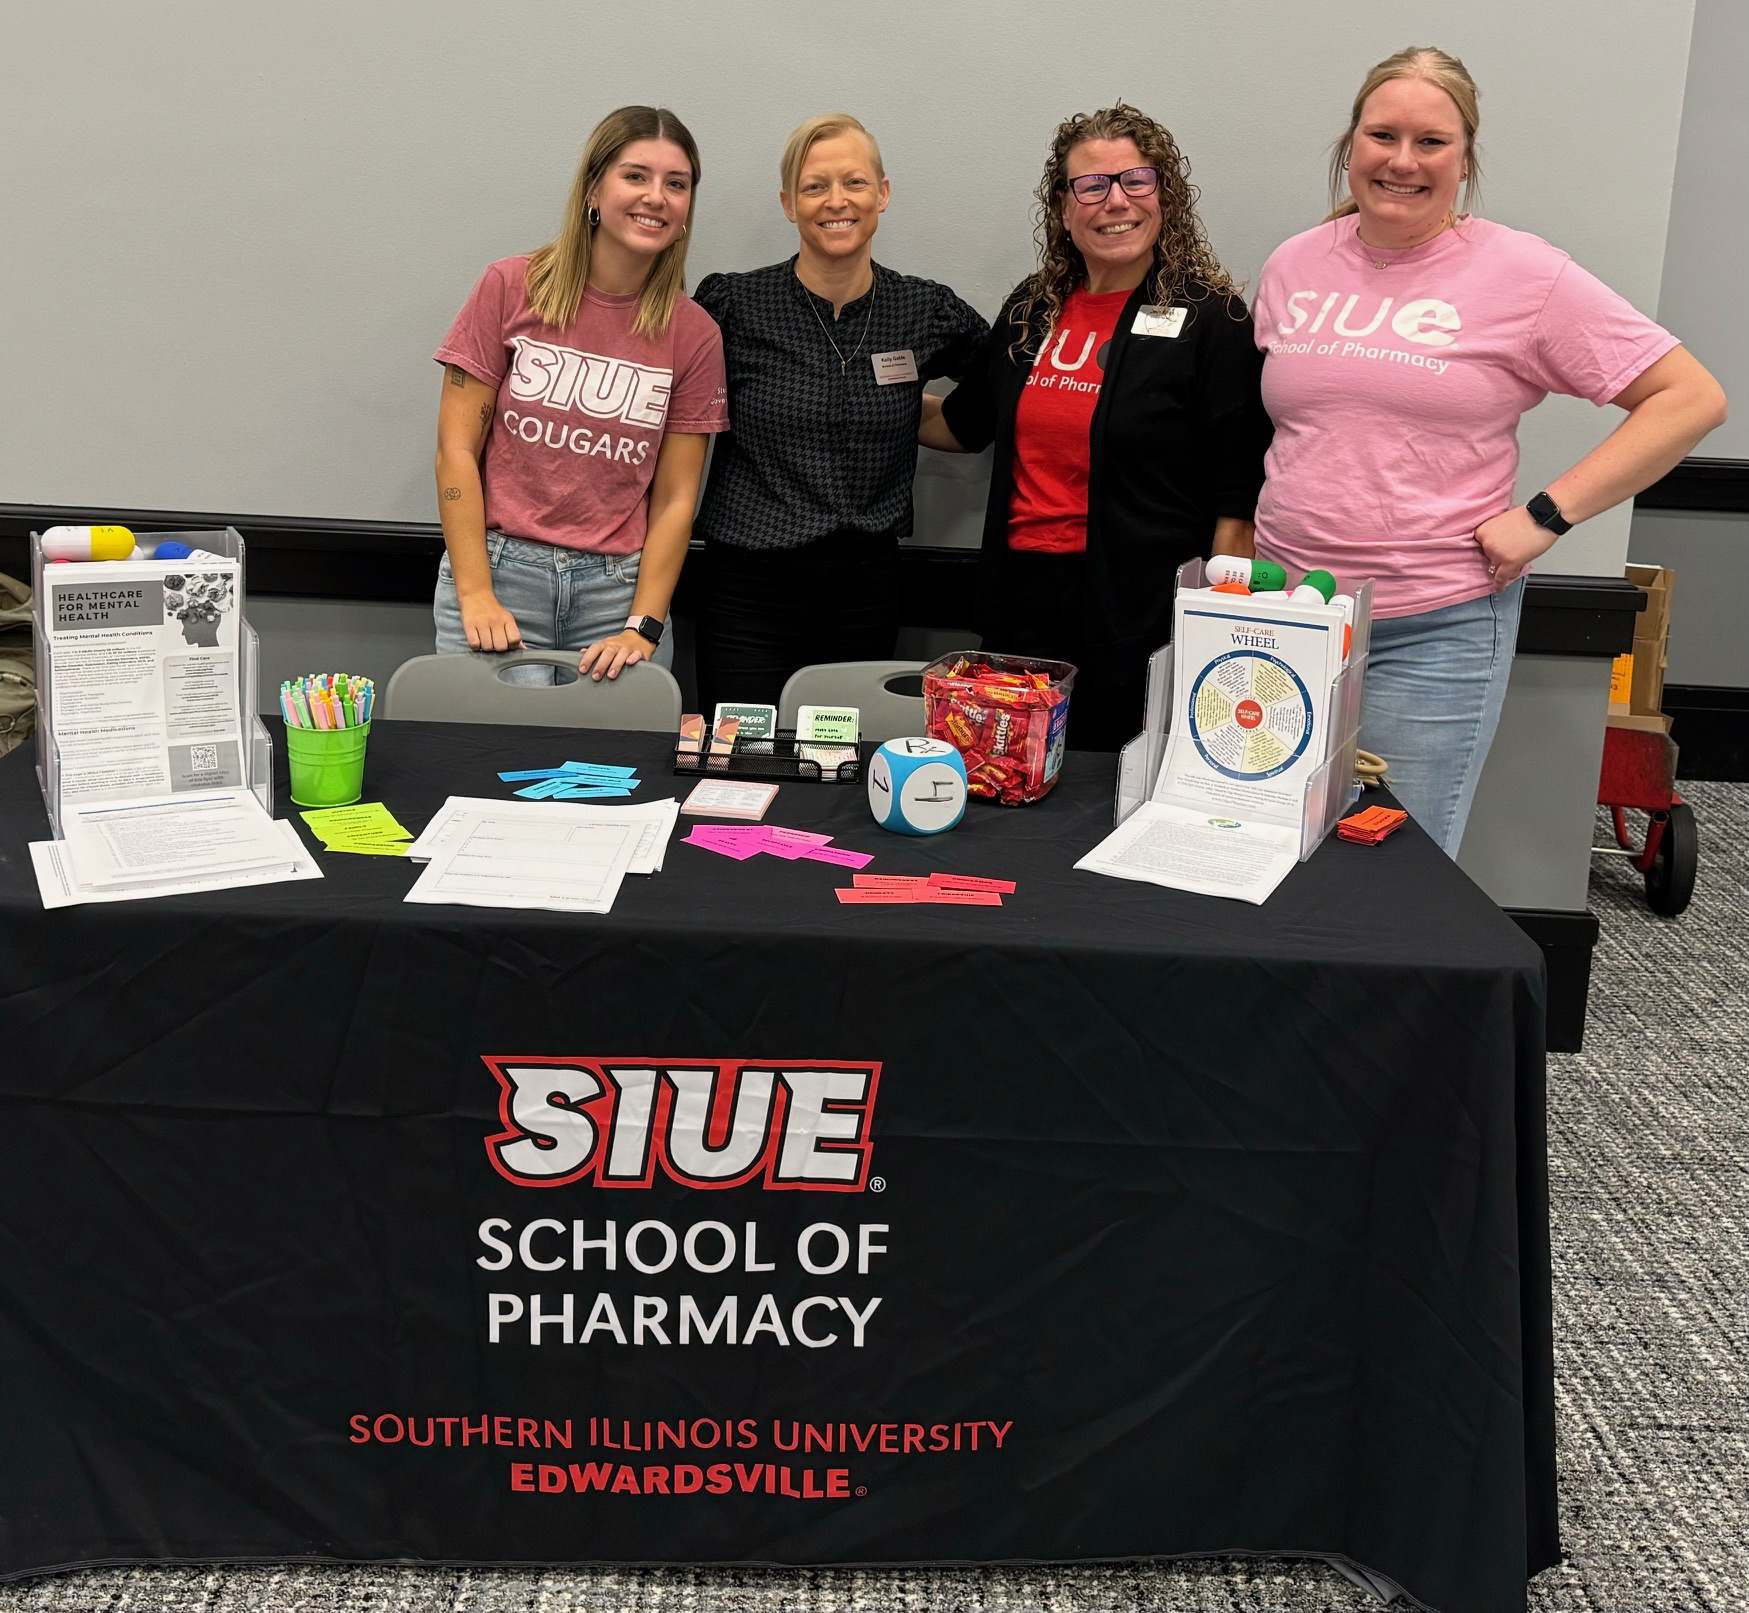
(457, 375)
(452, 494)
(485, 415)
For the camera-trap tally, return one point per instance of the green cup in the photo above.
(327, 764)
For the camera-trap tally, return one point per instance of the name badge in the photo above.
(1153, 320)
(892, 368)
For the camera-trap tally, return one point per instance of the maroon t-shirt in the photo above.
(581, 412)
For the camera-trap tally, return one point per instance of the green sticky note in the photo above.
(828, 725)
(369, 820)
(757, 722)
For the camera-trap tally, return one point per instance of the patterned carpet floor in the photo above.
(1649, 1154)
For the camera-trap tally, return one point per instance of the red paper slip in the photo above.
(889, 882)
(969, 882)
(922, 896)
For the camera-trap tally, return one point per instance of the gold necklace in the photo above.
(843, 362)
(1385, 263)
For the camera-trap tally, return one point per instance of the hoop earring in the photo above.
(594, 217)
(683, 229)
(1345, 165)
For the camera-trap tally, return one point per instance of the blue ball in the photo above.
(917, 786)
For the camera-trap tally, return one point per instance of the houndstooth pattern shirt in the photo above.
(815, 447)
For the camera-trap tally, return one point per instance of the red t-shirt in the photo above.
(582, 411)
(1048, 511)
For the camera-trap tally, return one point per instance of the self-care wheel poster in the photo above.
(1250, 715)
(1250, 705)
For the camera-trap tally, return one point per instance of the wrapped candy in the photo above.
(1007, 715)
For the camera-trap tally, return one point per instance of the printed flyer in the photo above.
(143, 662)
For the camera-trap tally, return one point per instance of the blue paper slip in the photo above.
(545, 790)
(601, 768)
(593, 792)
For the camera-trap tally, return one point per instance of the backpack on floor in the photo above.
(17, 666)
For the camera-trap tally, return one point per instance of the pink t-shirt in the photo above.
(581, 411)
(1396, 379)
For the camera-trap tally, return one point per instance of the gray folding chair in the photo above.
(888, 694)
(471, 688)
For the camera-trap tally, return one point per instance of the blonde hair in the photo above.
(805, 136)
(1442, 71)
(558, 271)
(1182, 254)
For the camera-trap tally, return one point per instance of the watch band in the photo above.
(1547, 514)
(649, 627)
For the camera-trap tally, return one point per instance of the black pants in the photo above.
(766, 612)
(1044, 617)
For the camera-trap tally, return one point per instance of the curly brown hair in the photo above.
(1185, 266)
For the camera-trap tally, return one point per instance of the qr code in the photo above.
(203, 758)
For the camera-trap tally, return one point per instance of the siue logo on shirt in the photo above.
(600, 387)
(1422, 322)
(1063, 366)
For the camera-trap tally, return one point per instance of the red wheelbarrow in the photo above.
(1639, 773)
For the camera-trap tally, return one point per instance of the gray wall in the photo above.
(237, 232)
(1705, 295)
(1705, 300)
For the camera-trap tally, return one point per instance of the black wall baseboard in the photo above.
(396, 562)
(1720, 486)
(1711, 730)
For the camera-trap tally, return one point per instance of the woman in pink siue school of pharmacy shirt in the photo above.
(1404, 339)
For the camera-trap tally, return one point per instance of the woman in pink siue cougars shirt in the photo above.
(581, 387)
(1404, 339)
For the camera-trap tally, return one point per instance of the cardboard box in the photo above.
(1654, 722)
(1636, 684)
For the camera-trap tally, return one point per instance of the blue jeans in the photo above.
(1435, 684)
(562, 599)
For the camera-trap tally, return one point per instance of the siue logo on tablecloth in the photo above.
(713, 1123)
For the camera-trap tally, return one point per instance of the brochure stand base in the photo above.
(776, 759)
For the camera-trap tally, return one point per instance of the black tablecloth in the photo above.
(1193, 1226)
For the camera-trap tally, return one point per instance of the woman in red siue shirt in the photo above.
(1120, 387)
(1405, 338)
(581, 388)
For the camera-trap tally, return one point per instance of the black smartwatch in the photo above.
(650, 627)
(1547, 514)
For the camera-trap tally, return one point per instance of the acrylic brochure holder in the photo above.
(257, 746)
(1329, 791)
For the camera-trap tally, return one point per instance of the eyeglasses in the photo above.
(1091, 188)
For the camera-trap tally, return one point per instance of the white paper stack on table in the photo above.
(556, 855)
(1251, 723)
(167, 846)
(145, 722)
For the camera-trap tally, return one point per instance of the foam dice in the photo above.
(917, 786)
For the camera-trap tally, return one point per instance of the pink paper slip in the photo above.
(889, 882)
(923, 897)
(791, 843)
(726, 842)
(843, 856)
(969, 882)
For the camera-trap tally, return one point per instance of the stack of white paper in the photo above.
(540, 854)
(167, 846)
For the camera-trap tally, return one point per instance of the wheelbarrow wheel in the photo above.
(1670, 879)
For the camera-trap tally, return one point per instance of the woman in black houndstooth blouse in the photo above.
(810, 491)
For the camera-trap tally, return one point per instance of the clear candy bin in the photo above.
(1007, 715)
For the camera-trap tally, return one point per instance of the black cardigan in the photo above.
(1177, 441)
